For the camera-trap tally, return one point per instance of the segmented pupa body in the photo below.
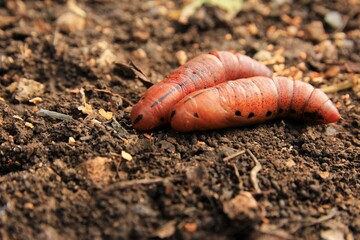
(201, 72)
(249, 101)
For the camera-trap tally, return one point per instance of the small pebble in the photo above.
(330, 131)
(27, 89)
(106, 59)
(253, 30)
(181, 57)
(28, 206)
(263, 55)
(159, 11)
(70, 22)
(323, 174)
(126, 156)
(290, 163)
(71, 141)
(98, 170)
(315, 31)
(139, 53)
(141, 35)
(339, 35)
(334, 19)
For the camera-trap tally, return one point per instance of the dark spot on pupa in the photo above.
(162, 119)
(311, 115)
(319, 117)
(172, 114)
(138, 118)
(196, 115)
(268, 114)
(292, 111)
(281, 110)
(193, 72)
(251, 115)
(237, 113)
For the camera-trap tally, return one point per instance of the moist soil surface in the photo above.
(87, 174)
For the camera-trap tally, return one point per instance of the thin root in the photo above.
(234, 155)
(236, 170)
(135, 182)
(333, 212)
(254, 172)
(47, 113)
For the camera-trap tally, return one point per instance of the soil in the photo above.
(90, 175)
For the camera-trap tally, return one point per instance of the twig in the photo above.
(146, 181)
(234, 155)
(117, 163)
(236, 170)
(313, 221)
(333, 212)
(47, 113)
(337, 87)
(116, 95)
(254, 172)
(278, 235)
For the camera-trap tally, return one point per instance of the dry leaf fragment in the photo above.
(148, 136)
(29, 125)
(36, 100)
(105, 114)
(86, 109)
(132, 71)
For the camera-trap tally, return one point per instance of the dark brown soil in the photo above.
(74, 178)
